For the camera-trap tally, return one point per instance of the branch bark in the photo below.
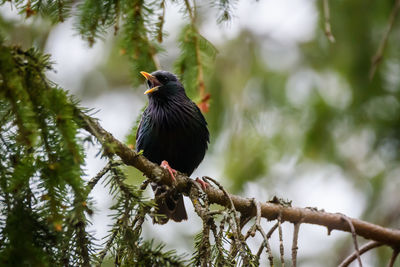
(270, 211)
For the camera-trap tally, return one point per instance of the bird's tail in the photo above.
(169, 203)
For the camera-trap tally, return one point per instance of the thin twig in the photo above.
(199, 63)
(92, 183)
(190, 11)
(368, 246)
(294, 244)
(232, 206)
(153, 54)
(117, 17)
(144, 184)
(202, 212)
(281, 247)
(217, 238)
(354, 235)
(269, 234)
(238, 237)
(272, 230)
(377, 58)
(239, 241)
(328, 31)
(236, 244)
(268, 248)
(161, 20)
(107, 247)
(394, 257)
(252, 231)
(258, 227)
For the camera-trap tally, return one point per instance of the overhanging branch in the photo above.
(270, 211)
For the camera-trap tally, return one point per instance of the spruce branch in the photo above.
(225, 8)
(196, 54)
(42, 165)
(160, 23)
(199, 64)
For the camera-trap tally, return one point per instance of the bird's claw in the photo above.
(203, 184)
(171, 171)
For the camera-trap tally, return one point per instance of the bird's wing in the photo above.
(139, 130)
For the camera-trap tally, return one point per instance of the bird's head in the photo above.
(162, 83)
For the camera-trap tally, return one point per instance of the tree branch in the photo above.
(270, 211)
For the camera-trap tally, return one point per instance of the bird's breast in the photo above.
(178, 135)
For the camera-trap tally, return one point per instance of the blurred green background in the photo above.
(291, 113)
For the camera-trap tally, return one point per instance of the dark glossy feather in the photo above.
(173, 128)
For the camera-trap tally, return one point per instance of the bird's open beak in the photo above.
(153, 80)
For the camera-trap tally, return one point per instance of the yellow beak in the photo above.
(147, 75)
(151, 90)
(152, 79)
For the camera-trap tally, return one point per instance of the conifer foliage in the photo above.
(43, 197)
(45, 204)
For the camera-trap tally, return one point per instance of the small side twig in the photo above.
(92, 183)
(160, 23)
(267, 246)
(354, 235)
(203, 211)
(328, 30)
(153, 54)
(368, 246)
(238, 237)
(218, 238)
(199, 63)
(257, 226)
(281, 247)
(254, 227)
(222, 189)
(232, 206)
(393, 257)
(272, 230)
(294, 244)
(377, 58)
(106, 248)
(144, 184)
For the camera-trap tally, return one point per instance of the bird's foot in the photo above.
(171, 171)
(203, 184)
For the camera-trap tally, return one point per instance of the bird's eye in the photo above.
(163, 79)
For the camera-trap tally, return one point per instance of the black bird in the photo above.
(172, 132)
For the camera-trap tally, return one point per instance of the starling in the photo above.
(173, 133)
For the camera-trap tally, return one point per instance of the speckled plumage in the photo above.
(172, 128)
